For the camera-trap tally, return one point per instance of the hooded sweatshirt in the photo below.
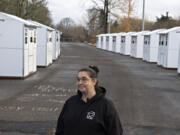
(97, 116)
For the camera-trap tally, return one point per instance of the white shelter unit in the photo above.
(126, 43)
(113, 40)
(98, 41)
(108, 42)
(101, 41)
(17, 47)
(56, 44)
(168, 48)
(104, 42)
(44, 45)
(137, 44)
(118, 43)
(179, 61)
(150, 47)
(59, 46)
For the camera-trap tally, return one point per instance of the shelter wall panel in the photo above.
(172, 59)
(11, 62)
(11, 34)
(41, 56)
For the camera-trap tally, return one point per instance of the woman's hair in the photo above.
(92, 71)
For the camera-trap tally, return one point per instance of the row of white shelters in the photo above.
(137, 41)
(44, 44)
(168, 47)
(17, 46)
(161, 46)
(151, 43)
(24, 45)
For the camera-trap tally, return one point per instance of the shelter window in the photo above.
(26, 36)
(123, 39)
(26, 40)
(114, 39)
(162, 43)
(145, 42)
(50, 39)
(166, 39)
(107, 39)
(31, 39)
(34, 40)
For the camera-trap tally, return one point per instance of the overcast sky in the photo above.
(76, 9)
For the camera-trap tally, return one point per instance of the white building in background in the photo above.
(107, 41)
(104, 42)
(168, 50)
(56, 44)
(126, 43)
(137, 41)
(44, 44)
(17, 47)
(150, 47)
(178, 70)
(98, 41)
(118, 43)
(113, 41)
(101, 41)
(59, 46)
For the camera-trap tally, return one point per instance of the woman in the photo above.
(89, 112)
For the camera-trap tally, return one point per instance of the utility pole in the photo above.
(143, 15)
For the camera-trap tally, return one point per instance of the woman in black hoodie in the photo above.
(89, 112)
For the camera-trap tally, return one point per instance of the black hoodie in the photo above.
(97, 116)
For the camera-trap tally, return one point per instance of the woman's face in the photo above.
(84, 82)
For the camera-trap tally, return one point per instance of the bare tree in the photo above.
(28, 9)
(106, 7)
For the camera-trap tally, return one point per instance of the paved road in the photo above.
(146, 96)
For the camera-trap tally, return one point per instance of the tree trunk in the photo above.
(106, 10)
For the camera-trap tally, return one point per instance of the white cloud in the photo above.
(76, 9)
(154, 8)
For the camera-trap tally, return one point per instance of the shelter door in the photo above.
(31, 50)
(26, 53)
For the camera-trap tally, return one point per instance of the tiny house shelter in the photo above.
(150, 47)
(17, 47)
(59, 46)
(113, 40)
(137, 44)
(44, 44)
(178, 70)
(56, 44)
(104, 41)
(168, 48)
(118, 43)
(97, 41)
(126, 43)
(108, 42)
